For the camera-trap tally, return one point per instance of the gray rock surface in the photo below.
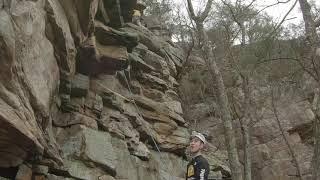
(66, 108)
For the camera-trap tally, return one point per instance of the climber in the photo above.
(198, 167)
(138, 12)
(136, 17)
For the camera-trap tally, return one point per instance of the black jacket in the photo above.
(198, 169)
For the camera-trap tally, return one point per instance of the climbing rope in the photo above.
(140, 115)
(138, 110)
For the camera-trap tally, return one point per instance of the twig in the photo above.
(283, 19)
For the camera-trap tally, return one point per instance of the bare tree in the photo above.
(219, 87)
(242, 14)
(316, 129)
(239, 14)
(244, 120)
(312, 43)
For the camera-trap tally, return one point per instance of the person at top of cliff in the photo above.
(198, 167)
(138, 12)
(136, 17)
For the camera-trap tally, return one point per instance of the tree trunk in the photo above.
(316, 157)
(245, 129)
(246, 149)
(219, 88)
(316, 133)
(243, 33)
(310, 28)
(223, 104)
(312, 42)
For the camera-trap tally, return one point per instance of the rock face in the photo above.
(87, 98)
(29, 80)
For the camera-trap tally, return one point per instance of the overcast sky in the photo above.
(277, 12)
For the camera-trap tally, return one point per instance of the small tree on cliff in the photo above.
(219, 88)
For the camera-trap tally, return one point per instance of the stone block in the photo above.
(139, 64)
(40, 169)
(73, 118)
(80, 85)
(109, 36)
(90, 146)
(113, 57)
(24, 173)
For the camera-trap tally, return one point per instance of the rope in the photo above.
(138, 110)
(140, 115)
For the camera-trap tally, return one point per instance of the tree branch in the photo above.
(279, 2)
(206, 11)
(250, 4)
(283, 19)
(317, 23)
(191, 10)
(315, 100)
(232, 12)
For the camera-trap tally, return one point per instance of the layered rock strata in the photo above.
(85, 94)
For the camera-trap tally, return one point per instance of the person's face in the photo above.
(195, 145)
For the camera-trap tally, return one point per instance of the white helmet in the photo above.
(200, 136)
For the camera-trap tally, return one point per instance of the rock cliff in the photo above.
(85, 94)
